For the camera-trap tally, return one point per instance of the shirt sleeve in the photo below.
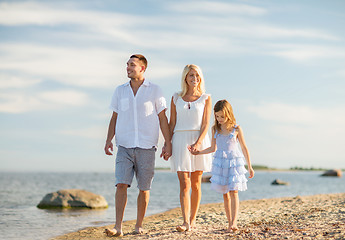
(114, 101)
(160, 102)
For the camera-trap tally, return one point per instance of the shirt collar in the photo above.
(145, 83)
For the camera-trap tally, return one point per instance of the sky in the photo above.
(281, 64)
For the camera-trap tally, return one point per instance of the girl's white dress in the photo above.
(228, 171)
(187, 130)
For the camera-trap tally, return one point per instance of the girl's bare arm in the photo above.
(245, 151)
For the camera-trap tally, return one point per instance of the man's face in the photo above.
(134, 68)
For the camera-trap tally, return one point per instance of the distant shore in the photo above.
(319, 216)
(266, 168)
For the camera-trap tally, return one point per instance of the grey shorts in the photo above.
(135, 160)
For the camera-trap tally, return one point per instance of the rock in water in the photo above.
(73, 198)
(279, 182)
(206, 178)
(332, 173)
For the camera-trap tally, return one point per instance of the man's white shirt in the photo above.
(137, 122)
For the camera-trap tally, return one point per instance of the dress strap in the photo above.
(215, 134)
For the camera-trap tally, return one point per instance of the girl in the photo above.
(228, 164)
(189, 120)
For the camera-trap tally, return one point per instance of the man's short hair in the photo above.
(141, 58)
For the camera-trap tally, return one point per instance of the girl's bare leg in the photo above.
(235, 205)
(227, 208)
(185, 182)
(195, 196)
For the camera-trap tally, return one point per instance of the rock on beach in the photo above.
(73, 198)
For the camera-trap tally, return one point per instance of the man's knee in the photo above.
(122, 186)
(144, 193)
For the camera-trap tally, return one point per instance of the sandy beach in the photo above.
(308, 217)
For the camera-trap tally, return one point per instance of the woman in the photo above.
(189, 121)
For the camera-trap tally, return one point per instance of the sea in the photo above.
(21, 192)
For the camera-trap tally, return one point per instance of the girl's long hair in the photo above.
(184, 86)
(225, 107)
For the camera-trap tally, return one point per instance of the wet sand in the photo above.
(308, 217)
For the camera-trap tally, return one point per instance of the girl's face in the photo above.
(193, 79)
(220, 117)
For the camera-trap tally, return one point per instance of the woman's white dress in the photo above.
(187, 130)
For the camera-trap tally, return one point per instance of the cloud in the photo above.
(90, 67)
(296, 135)
(95, 132)
(11, 81)
(216, 8)
(23, 102)
(119, 26)
(64, 97)
(307, 52)
(299, 115)
(46, 13)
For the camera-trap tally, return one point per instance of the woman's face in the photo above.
(193, 79)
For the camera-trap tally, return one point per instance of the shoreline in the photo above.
(317, 216)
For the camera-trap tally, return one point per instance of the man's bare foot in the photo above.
(138, 230)
(113, 232)
(184, 227)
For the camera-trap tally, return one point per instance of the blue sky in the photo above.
(280, 63)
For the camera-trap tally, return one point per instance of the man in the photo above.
(138, 112)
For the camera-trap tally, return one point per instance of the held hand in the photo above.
(168, 151)
(192, 151)
(195, 147)
(163, 151)
(107, 146)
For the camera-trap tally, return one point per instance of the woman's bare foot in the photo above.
(192, 226)
(113, 232)
(184, 227)
(232, 229)
(138, 230)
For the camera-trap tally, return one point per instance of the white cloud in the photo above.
(306, 52)
(23, 102)
(92, 67)
(11, 81)
(299, 115)
(11, 103)
(202, 7)
(34, 13)
(296, 135)
(64, 97)
(95, 132)
(120, 26)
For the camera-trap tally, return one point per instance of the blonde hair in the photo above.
(225, 107)
(184, 85)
